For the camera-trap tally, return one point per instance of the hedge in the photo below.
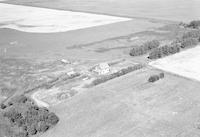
(194, 24)
(163, 51)
(155, 78)
(189, 42)
(143, 49)
(122, 72)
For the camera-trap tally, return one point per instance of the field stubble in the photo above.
(133, 108)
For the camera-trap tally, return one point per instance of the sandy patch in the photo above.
(42, 20)
(185, 63)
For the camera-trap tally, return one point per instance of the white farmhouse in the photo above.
(102, 69)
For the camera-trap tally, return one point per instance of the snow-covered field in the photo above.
(186, 63)
(42, 20)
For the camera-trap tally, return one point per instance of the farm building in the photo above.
(102, 69)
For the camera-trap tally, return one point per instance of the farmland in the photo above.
(104, 68)
(169, 107)
(174, 10)
(183, 64)
(50, 20)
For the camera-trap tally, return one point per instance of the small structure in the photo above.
(64, 61)
(102, 69)
(70, 73)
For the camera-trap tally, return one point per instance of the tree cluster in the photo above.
(143, 49)
(163, 51)
(187, 40)
(191, 34)
(3, 106)
(194, 24)
(155, 78)
(29, 118)
(122, 72)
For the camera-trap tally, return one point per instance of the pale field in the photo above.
(185, 63)
(176, 10)
(133, 108)
(42, 20)
(45, 46)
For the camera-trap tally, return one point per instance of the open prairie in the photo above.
(185, 64)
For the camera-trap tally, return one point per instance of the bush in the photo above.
(32, 130)
(52, 119)
(161, 75)
(153, 78)
(191, 34)
(194, 24)
(137, 51)
(42, 126)
(189, 42)
(163, 51)
(29, 118)
(10, 103)
(151, 44)
(3, 106)
(13, 115)
(157, 77)
(143, 49)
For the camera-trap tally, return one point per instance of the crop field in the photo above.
(56, 34)
(41, 20)
(133, 108)
(72, 57)
(51, 46)
(175, 10)
(185, 64)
